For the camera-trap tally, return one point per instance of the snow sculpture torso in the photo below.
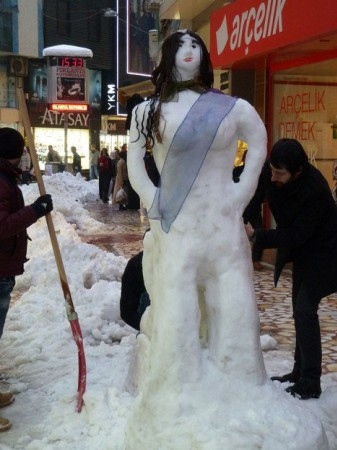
(206, 249)
(203, 312)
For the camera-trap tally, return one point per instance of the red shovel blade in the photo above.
(82, 370)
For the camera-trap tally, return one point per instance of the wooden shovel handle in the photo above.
(42, 190)
(70, 310)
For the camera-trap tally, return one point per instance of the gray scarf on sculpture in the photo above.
(186, 154)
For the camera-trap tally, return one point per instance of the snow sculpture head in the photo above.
(185, 64)
(166, 70)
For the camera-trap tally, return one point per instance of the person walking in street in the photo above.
(300, 200)
(77, 165)
(122, 180)
(25, 166)
(53, 155)
(105, 175)
(15, 218)
(93, 162)
(114, 156)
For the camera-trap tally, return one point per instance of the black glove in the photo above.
(43, 205)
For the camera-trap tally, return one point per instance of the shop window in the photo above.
(305, 108)
(63, 17)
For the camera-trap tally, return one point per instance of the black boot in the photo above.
(292, 377)
(305, 388)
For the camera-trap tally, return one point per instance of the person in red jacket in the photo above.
(15, 218)
(105, 175)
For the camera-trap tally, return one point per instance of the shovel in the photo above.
(70, 309)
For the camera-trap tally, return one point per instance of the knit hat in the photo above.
(11, 143)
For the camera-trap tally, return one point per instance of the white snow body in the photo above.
(199, 363)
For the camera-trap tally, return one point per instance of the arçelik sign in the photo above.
(247, 28)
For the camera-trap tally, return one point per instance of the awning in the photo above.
(144, 89)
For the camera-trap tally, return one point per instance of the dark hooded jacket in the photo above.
(306, 231)
(15, 218)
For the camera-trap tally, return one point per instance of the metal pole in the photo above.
(66, 140)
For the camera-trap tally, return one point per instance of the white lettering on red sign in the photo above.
(251, 26)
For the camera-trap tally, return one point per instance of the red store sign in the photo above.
(247, 28)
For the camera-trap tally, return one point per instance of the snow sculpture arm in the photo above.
(138, 176)
(250, 129)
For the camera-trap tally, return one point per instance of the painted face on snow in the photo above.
(187, 59)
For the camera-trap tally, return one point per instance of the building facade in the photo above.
(20, 39)
(30, 26)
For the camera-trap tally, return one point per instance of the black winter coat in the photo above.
(306, 232)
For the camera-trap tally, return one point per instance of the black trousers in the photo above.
(308, 349)
(103, 185)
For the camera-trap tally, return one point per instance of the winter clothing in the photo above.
(105, 175)
(93, 163)
(25, 166)
(132, 289)
(11, 143)
(43, 205)
(121, 177)
(14, 219)
(306, 235)
(77, 164)
(134, 297)
(53, 155)
(306, 219)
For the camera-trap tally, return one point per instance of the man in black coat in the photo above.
(300, 200)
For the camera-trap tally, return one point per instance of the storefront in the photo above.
(60, 131)
(291, 46)
(113, 133)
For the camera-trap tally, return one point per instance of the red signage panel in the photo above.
(247, 28)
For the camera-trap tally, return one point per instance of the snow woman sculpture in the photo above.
(199, 340)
